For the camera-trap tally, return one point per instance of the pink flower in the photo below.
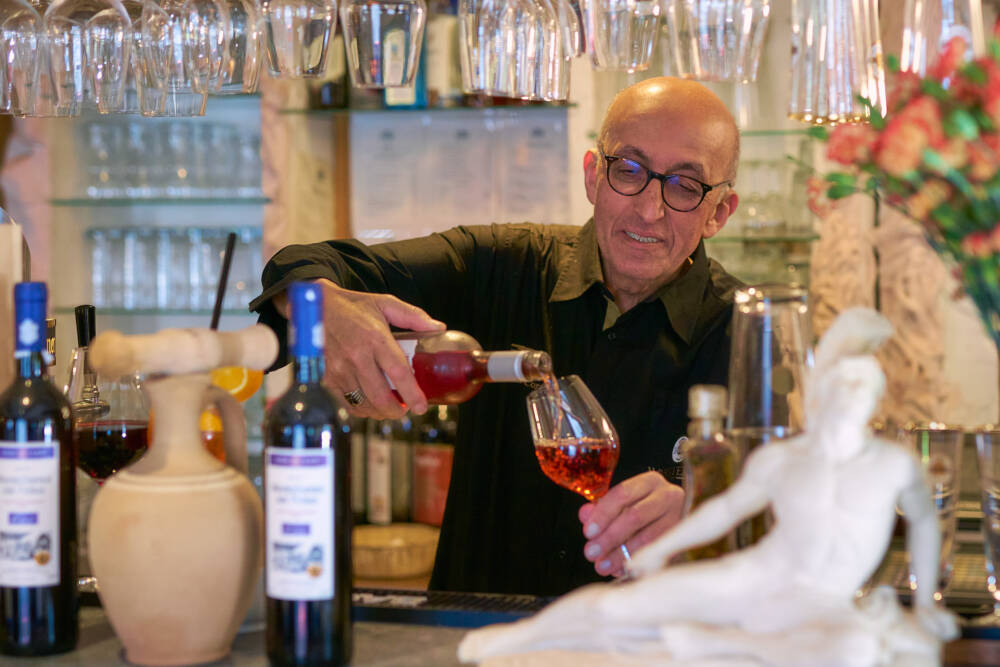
(851, 143)
(983, 160)
(955, 152)
(977, 244)
(932, 192)
(951, 56)
(902, 87)
(917, 126)
(819, 203)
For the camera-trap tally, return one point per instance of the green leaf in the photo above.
(877, 121)
(871, 185)
(961, 123)
(934, 89)
(984, 120)
(818, 132)
(840, 178)
(839, 191)
(946, 216)
(994, 49)
(974, 73)
(892, 62)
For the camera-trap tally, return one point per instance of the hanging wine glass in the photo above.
(383, 40)
(20, 32)
(621, 33)
(206, 43)
(241, 71)
(166, 77)
(297, 35)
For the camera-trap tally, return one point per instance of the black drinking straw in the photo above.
(227, 260)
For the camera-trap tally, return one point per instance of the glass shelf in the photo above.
(745, 238)
(775, 133)
(159, 201)
(348, 112)
(156, 312)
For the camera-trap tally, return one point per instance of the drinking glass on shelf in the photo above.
(297, 36)
(621, 33)
(988, 454)
(575, 442)
(771, 351)
(383, 39)
(940, 451)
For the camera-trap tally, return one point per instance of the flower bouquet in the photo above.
(935, 155)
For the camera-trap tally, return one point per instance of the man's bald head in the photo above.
(661, 100)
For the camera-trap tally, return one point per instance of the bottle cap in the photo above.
(85, 324)
(707, 401)
(305, 330)
(29, 312)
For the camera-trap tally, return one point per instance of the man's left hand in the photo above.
(633, 513)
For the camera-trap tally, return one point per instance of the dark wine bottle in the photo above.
(38, 599)
(307, 506)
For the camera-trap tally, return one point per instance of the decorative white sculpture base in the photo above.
(788, 601)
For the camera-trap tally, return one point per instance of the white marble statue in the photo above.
(790, 599)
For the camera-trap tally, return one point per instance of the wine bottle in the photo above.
(711, 461)
(38, 598)
(432, 459)
(307, 505)
(451, 367)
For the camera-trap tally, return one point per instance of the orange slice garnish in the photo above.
(240, 382)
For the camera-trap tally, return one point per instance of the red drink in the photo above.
(104, 448)
(448, 377)
(583, 465)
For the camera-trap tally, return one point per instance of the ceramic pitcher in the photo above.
(176, 539)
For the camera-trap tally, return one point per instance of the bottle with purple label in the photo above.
(307, 505)
(38, 598)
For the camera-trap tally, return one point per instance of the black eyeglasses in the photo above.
(681, 193)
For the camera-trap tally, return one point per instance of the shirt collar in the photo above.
(580, 268)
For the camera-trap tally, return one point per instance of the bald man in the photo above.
(629, 302)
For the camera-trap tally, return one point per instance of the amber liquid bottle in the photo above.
(307, 506)
(38, 598)
(711, 462)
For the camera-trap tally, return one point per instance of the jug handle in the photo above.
(234, 427)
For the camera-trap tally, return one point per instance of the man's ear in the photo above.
(723, 210)
(590, 162)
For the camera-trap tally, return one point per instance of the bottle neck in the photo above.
(515, 365)
(31, 364)
(308, 369)
(704, 429)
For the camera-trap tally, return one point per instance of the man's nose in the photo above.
(650, 205)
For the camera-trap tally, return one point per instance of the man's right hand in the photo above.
(361, 352)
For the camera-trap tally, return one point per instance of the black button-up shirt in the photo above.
(508, 528)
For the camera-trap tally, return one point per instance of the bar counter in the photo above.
(376, 644)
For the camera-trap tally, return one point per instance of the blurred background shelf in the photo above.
(72, 202)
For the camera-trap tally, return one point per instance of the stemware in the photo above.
(621, 33)
(940, 451)
(21, 32)
(297, 36)
(575, 443)
(988, 455)
(383, 39)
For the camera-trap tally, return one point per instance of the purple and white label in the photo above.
(29, 514)
(299, 507)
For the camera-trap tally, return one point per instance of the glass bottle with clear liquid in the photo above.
(711, 461)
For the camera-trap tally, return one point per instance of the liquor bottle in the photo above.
(413, 96)
(38, 598)
(451, 367)
(355, 430)
(379, 472)
(307, 506)
(432, 459)
(711, 461)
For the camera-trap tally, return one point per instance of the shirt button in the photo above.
(562, 554)
(611, 335)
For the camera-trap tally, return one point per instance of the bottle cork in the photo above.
(707, 401)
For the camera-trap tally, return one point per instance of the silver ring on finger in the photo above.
(355, 398)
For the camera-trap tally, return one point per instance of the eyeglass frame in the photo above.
(662, 178)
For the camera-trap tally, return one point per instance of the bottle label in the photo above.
(379, 480)
(409, 348)
(29, 514)
(505, 366)
(299, 494)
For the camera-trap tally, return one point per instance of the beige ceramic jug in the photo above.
(176, 539)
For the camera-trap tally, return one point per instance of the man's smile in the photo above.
(641, 239)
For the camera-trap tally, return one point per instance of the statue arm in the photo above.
(711, 520)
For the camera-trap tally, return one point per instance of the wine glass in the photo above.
(988, 451)
(575, 442)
